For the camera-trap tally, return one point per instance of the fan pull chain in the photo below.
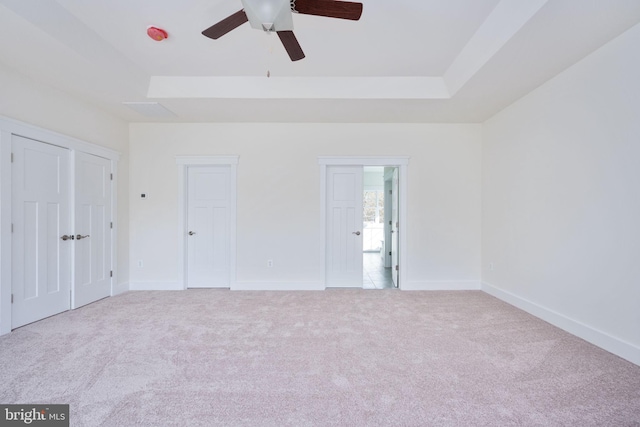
(269, 54)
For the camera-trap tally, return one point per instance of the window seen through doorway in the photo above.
(373, 218)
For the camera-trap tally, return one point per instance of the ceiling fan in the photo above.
(276, 16)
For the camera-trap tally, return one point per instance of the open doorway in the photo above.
(342, 193)
(379, 189)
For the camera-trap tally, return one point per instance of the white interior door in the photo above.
(395, 191)
(387, 220)
(40, 259)
(208, 226)
(92, 279)
(344, 226)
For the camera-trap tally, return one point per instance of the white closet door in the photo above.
(344, 226)
(208, 224)
(40, 268)
(92, 279)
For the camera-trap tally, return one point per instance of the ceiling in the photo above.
(403, 61)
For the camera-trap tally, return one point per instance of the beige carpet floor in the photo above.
(334, 358)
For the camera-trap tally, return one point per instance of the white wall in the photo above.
(561, 199)
(279, 196)
(28, 101)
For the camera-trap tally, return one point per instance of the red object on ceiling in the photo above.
(158, 34)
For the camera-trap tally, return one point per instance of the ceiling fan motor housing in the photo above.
(269, 15)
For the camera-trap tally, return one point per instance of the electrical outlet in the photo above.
(270, 263)
(490, 266)
(140, 263)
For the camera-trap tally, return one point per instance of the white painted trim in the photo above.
(323, 223)
(403, 258)
(206, 160)
(441, 285)
(342, 286)
(5, 231)
(293, 87)
(114, 230)
(278, 286)
(182, 220)
(402, 163)
(72, 221)
(596, 337)
(363, 160)
(9, 127)
(183, 163)
(26, 130)
(155, 286)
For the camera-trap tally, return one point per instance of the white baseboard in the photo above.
(238, 286)
(155, 286)
(342, 286)
(601, 339)
(120, 288)
(278, 286)
(441, 285)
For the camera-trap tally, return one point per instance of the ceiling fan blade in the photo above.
(291, 45)
(227, 24)
(329, 8)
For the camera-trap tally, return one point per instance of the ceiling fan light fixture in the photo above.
(269, 15)
(275, 16)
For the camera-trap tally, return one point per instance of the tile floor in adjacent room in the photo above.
(374, 274)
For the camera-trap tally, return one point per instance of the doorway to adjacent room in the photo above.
(362, 242)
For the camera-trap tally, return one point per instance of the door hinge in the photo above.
(397, 267)
(390, 191)
(11, 157)
(12, 227)
(111, 224)
(111, 273)
(389, 253)
(11, 298)
(111, 177)
(389, 222)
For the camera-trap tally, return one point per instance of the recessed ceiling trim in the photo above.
(297, 87)
(60, 24)
(150, 109)
(508, 17)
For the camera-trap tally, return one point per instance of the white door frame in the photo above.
(9, 127)
(183, 163)
(402, 163)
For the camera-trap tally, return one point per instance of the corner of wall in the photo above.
(601, 339)
(120, 288)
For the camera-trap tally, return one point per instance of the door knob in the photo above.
(65, 237)
(79, 237)
(357, 233)
(191, 233)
